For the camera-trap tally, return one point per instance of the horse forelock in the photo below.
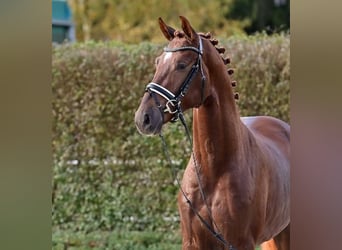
(179, 34)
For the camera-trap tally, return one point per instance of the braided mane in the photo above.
(220, 50)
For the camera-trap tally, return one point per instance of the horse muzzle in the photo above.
(149, 121)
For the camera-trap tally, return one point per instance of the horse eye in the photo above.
(181, 66)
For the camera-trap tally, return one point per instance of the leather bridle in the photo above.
(173, 101)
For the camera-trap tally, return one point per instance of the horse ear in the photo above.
(188, 30)
(167, 30)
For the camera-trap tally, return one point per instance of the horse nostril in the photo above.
(146, 119)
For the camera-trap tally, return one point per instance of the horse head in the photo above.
(179, 82)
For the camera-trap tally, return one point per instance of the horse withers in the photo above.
(235, 191)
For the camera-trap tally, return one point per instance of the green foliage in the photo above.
(262, 15)
(121, 180)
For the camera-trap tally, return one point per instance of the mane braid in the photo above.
(221, 51)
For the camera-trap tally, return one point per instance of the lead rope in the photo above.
(216, 234)
(181, 117)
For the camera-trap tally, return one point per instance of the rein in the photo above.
(175, 101)
(216, 234)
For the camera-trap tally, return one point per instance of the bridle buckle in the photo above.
(172, 106)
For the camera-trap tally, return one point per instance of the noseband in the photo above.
(173, 101)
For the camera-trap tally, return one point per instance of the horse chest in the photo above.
(222, 210)
(222, 200)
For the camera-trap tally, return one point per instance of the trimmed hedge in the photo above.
(105, 174)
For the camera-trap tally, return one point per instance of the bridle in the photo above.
(173, 106)
(173, 101)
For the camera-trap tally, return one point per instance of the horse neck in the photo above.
(217, 128)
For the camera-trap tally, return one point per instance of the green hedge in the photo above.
(105, 174)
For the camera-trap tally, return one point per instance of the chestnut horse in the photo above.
(235, 192)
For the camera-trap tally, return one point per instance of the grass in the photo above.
(128, 240)
(116, 240)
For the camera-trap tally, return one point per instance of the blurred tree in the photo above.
(135, 21)
(269, 15)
